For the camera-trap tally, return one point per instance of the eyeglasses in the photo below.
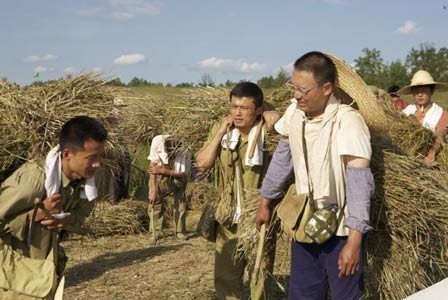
(301, 91)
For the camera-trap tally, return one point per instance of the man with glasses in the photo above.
(235, 148)
(335, 172)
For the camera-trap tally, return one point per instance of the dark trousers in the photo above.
(314, 269)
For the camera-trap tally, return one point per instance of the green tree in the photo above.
(206, 80)
(397, 74)
(371, 68)
(115, 82)
(428, 58)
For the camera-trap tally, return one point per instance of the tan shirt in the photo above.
(228, 189)
(17, 195)
(349, 136)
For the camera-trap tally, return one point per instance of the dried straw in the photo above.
(126, 217)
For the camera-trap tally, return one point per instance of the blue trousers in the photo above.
(314, 269)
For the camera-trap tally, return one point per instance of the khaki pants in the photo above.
(180, 209)
(229, 274)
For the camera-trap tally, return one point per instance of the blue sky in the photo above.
(179, 41)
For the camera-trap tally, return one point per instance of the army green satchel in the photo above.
(300, 219)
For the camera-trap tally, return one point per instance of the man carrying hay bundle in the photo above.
(428, 113)
(168, 175)
(236, 148)
(327, 148)
(39, 202)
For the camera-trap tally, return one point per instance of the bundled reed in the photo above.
(31, 118)
(126, 217)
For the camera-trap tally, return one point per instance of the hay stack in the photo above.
(126, 217)
(31, 118)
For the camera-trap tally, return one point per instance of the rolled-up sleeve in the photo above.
(359, 190)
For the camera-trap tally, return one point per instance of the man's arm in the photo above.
(359, 190)
(206, 157)
(279, 172)
(435, 148)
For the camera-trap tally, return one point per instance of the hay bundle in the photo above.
(31, 117)
(126, 217)
(199, 193)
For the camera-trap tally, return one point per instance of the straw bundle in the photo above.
(31, 118)
(248, 234)
(126, 217)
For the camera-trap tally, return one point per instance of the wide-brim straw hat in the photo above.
(420, 78)
(351, 88)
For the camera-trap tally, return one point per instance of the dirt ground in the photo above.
(129, 267)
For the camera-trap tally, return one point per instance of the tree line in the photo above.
(370, 66)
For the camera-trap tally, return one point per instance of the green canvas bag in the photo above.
(34, 278)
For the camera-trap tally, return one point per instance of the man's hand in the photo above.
(52, 204)
(156, 169)
(348, 262)
(271, 117)
(53, 224)
(226, 122)
(263, 213)
(153, 197)
(430, 158)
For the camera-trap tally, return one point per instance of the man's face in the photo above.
(422, 94)
(311, 96)
(244, 112)
(85, 162)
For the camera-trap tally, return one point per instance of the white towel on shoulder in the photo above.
(431, 118)
(53, 176)
(231, 142)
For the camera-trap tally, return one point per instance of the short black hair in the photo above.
(317, 63)
(248, 89)
(76, 131)
(393, 89)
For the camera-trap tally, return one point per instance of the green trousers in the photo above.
(180, 209)
(229, 273)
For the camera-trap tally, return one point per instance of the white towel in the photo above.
(53, 176)
(231, 142)
(157, 152)
(431, 118)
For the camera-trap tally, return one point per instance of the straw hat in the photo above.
(421, 77)
(350, 87)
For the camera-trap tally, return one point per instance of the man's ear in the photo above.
(328, 88)
(259, 110)
(65, 154)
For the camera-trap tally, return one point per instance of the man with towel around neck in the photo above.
(236, 148)
(428, 113)
(40, 202)
(326, 147)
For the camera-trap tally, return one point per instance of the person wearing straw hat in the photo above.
(235, 147)
(168, 174)
(40, 203)
(428, 113)
(326, 147)
(397, 102)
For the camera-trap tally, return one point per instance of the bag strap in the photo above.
(305, 155)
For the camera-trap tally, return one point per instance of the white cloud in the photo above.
(90, 12)
(97, 70)
(230, 65)
(407, 28)
(289, 67)
(43, 69)
(338, 2)
(121, 15)
(137, 7)
(129, 59)
(37, 58)
(69, 70)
